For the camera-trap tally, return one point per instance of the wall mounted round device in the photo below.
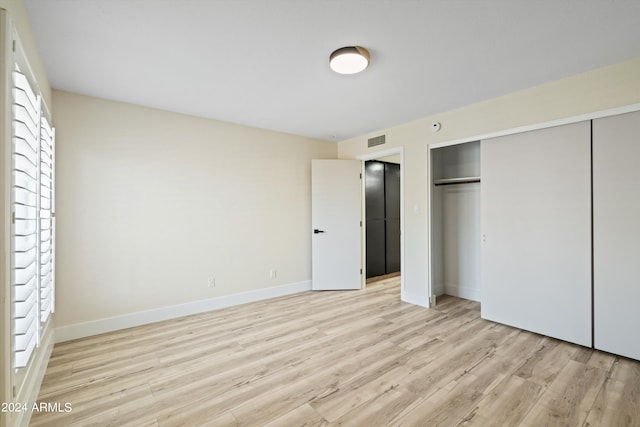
(349, 60)
(435, 127)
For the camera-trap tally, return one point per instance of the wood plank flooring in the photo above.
(358, 358)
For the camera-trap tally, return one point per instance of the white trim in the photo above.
(363, 226)
(429, 225)
(373, 156)
(30, 387)
(558, 122)
(110, 324)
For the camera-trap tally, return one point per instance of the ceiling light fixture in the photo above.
(349, 60)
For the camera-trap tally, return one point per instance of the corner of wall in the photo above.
(422, 301)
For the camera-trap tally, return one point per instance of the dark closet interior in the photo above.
(382, 201)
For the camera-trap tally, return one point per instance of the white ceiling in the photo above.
(265, 63)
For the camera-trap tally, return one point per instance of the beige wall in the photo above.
(150, 204)
(610, 87)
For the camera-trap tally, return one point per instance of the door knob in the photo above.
(316, 231)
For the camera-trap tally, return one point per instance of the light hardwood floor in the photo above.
(360, 358)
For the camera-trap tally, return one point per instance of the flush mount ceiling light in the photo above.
(349, 60)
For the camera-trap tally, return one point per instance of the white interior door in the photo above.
(335, 218)
(536, 231)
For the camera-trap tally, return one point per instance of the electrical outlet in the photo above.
(273, 273)
(211, 282)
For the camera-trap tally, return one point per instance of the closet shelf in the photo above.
(451, 181)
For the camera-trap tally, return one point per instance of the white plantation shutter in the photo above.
(46, 220)
(33, 219)
(25, 204)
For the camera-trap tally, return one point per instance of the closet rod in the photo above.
(454, 181)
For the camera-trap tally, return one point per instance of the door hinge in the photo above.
(360, 176)
(361, 272)
(360, 223)
(13, 45)
(14, 391)
(13, 217)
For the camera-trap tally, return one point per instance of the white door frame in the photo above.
(430, 189)
(374, 156)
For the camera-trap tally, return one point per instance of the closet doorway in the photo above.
(382, 219)
(455, 220)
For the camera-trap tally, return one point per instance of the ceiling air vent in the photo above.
(378, 140)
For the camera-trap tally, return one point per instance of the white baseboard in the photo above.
(465, 292)
(110, 324)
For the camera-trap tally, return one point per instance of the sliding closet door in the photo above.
(536, 231)
(616, 232)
